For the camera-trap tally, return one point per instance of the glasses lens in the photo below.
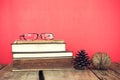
(47, 36)
(29, 36)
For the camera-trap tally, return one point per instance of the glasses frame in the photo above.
(23, 36)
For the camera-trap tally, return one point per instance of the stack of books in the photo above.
(40, 55)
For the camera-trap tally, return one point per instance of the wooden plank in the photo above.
(41, 69)
(5, 69)
(115, 73)
(106, 74)
(28, 75)
(32, 76)
(20, 76)
(11, 76)
(115, 67)
(69, 75)
(7, 74)
(2, 66)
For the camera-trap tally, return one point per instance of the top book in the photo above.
(38, 46)
(37, 41)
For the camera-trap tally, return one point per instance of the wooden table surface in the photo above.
(111, 74)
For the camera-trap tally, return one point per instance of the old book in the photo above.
(38, 47)
(38, 41)
(41, 54)
(41, 63)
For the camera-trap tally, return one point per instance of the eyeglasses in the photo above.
(35, 36)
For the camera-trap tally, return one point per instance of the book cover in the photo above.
(38, 41)
(38, 47)
(41, 54)
(42, 64)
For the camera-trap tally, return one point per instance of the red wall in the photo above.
(93, 25)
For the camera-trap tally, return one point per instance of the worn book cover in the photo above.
(42, 64)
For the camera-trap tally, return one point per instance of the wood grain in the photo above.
(115, 67)
(4, 69)
(69, 75)
(2, 66)
(106, 74)
(41, 64)
(20, 76)
(7, 74)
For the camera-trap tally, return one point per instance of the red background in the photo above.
(93, 25)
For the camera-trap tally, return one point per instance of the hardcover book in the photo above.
(41, 54)
(42, 64)
(38, 47)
